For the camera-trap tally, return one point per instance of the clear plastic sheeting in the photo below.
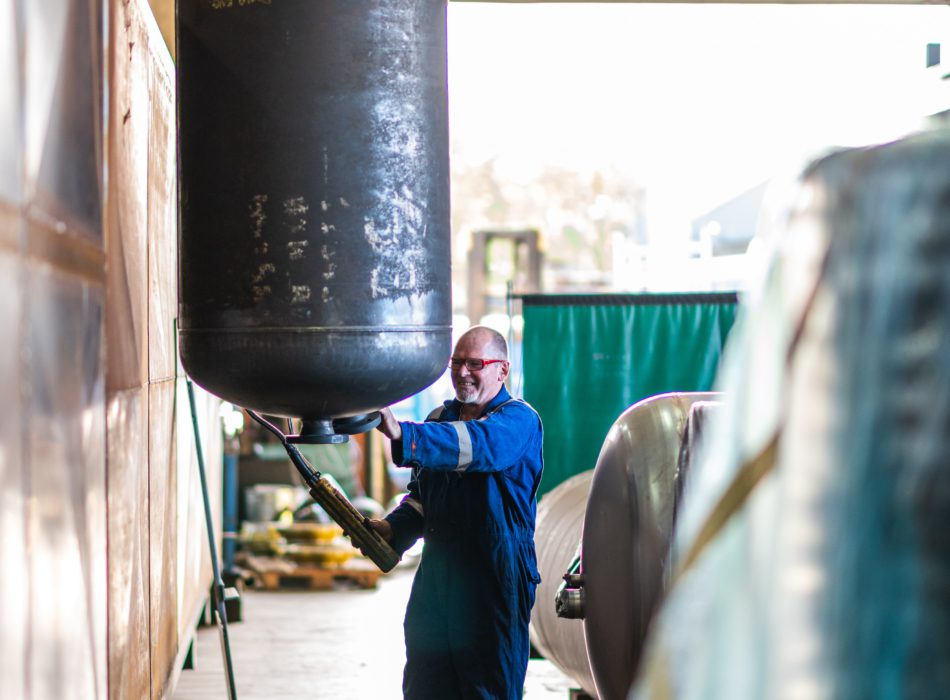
(831, 578)
(13, 496)
(11, 184)
(127, 415)
(65, 484)
(163, 477)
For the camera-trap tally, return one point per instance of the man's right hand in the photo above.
(388, 425)
(382, 527)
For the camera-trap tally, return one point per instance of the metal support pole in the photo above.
(218, 592)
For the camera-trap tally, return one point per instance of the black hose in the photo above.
(370, 542)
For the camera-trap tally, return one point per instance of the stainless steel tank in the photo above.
(627, 533)
(557, 536)
(314, 202)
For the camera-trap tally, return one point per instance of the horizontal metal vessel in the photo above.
(557, 536)
(627, 532)
(314, 202)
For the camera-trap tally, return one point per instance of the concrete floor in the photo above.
(344, 644)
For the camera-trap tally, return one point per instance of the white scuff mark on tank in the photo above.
(325, 295)
(324, 205)
(405, 218)
(295, 208)
(299, 293)
(330, 267)
(257, 214)
(395, 226)
(260, 291)
(325, 228)
(369, 232)
(295, 249)
(225, 4)
(344, 203)
(262, 271)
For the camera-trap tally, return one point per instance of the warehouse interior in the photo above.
(232, 231)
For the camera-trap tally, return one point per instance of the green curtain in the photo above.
(587, 358)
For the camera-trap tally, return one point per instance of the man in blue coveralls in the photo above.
(476, 467)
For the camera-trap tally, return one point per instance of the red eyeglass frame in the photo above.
(465, 361)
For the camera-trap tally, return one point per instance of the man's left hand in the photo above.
(388, 425)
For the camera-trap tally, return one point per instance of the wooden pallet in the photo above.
(280, 574)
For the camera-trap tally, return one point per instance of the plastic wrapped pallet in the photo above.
(813, 551)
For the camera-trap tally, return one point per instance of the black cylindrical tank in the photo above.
(314, 271)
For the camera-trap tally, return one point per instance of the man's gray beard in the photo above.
(472, 397)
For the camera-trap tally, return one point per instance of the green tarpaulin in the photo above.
(587, 358)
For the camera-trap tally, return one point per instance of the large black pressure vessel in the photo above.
(314, 271)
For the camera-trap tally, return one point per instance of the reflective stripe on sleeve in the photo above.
(414, 504)
(465, 445)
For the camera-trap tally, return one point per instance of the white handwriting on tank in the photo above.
(257, 215)
(330, 268)
(295, 249)
(384, 280)
(299, 293)
(225, 4)
(295, 208)
(262, 271)
(405, 217)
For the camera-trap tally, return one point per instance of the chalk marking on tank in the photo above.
(257, 214)
(299, 293)
(374, 287)
(226, 4)
(324, 205)
(260, 291)
(295, 208)
(325, 295)
(344, 203)
(263, 270)
(330, 272)
(373, 238)
(296, 249)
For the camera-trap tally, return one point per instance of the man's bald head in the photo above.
(489, 341)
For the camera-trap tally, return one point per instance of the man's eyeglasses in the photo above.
(472, 364)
